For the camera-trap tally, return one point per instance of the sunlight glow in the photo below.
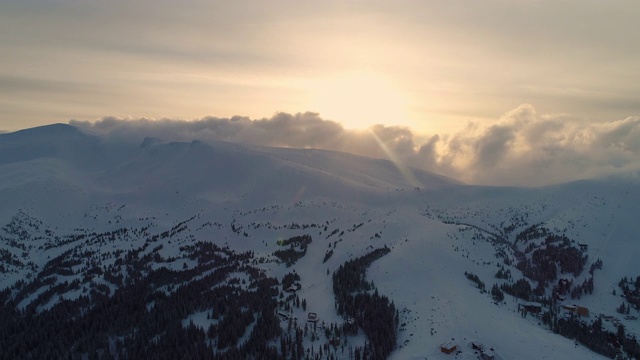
(359, 99)
(404, 169)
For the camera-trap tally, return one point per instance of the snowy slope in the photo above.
(56, 182)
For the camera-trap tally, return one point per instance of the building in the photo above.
(582, 311)
(531, 307)
(448, 348)
(575, 309)
(312, 317)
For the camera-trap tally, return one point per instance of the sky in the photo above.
(466, 88)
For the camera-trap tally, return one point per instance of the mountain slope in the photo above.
(87, 221)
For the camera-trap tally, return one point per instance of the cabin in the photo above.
(534, 309)
(582, 311)
(575, 309)
(531, 307)
(312, 317)
(583, 246)
(448, 348)
(569, 310)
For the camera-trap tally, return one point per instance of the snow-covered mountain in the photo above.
(89, 223)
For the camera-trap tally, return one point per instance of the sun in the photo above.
(359, 100)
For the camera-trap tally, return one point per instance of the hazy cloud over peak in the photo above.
(521, 148)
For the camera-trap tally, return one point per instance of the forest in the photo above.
(359, 300)
(143, 318)
(135, 303)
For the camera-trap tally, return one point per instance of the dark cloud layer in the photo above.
(522, 148)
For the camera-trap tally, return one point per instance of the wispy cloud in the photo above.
(522, 147)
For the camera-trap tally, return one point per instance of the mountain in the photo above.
(193, 249)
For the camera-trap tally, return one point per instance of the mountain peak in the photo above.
(45, 130)
(54, 140)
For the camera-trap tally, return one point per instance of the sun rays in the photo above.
(406, 172)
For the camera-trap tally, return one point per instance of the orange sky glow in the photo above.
(427, 65)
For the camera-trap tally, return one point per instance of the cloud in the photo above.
(282, 129)
(525, 148)
(522, 148)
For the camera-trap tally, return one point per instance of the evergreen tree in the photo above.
(497, 294)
